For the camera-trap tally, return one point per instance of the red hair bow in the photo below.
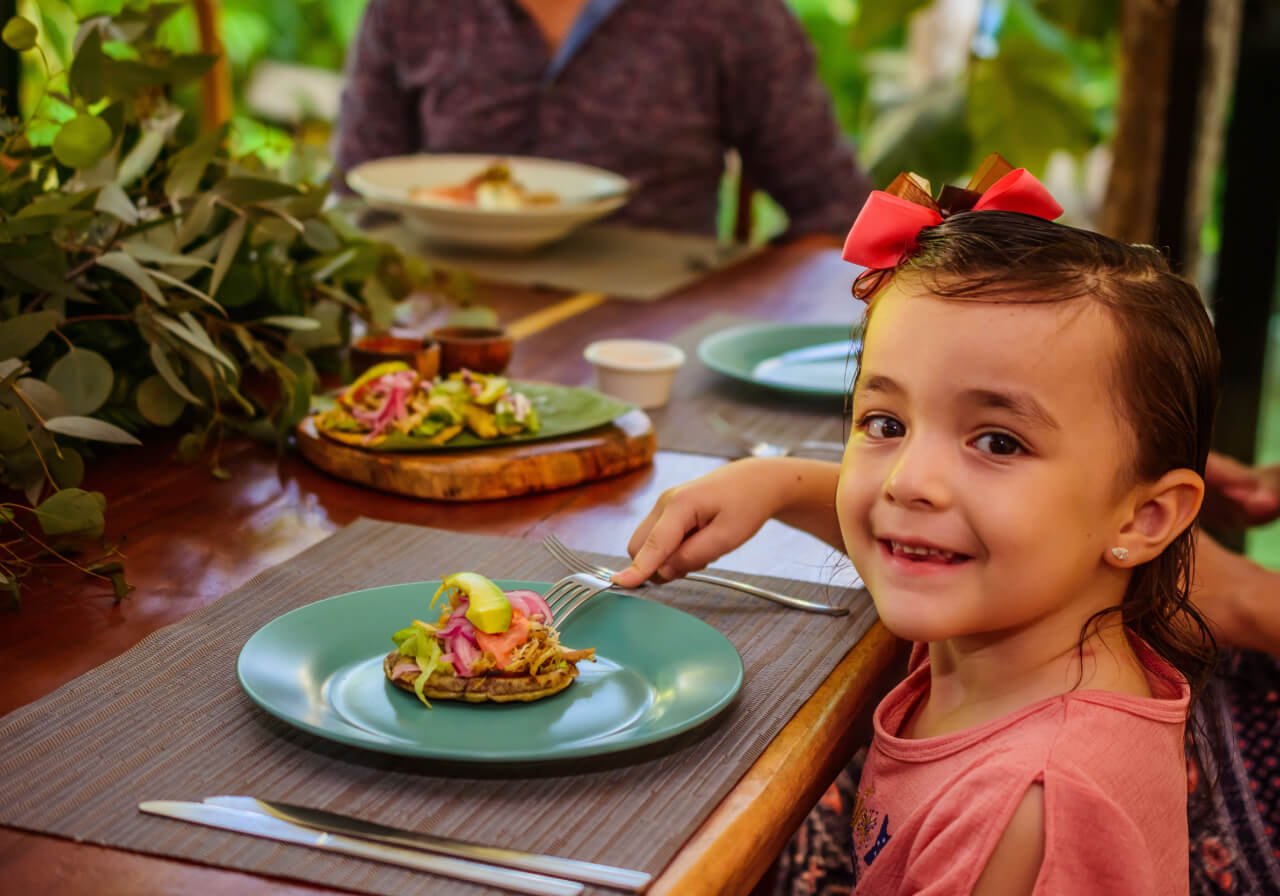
(886, 229)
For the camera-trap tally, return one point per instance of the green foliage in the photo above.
(1040, 78)
(152, 280)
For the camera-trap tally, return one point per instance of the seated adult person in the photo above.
(656, 90)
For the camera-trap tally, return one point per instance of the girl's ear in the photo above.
(1162, 510)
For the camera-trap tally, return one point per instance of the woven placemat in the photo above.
(756, 413)
(626, 263)
(167, 720)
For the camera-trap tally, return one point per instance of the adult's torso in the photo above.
(639, 95)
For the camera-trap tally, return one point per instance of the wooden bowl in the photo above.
(481, 349)
(423, 355)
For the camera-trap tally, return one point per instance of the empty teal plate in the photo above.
(659, 672)
(809, 359)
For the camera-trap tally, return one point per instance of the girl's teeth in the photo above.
(914, 551)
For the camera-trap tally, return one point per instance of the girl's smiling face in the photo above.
(984, 480)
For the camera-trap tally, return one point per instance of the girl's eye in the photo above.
(879, 426)
(999, 443)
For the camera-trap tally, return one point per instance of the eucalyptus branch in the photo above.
(55, 552)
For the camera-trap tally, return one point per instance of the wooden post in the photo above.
(215, 91)
(1249, 265)
(1146, 38)
(1177, 66)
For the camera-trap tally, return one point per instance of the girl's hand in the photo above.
(694, 524)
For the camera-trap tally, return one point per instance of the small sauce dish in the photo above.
(479, 349)
(639, 371)
(423, 355)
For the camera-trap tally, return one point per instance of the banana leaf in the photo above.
(563, 410)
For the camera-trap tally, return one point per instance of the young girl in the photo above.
(1031, 419)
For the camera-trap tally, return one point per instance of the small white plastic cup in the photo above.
(638, 371)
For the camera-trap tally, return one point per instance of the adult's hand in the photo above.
(1239, 599)
(1237, 495)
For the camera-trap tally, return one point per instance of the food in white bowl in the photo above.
(425, 190)
(639, 371)
(494, 188)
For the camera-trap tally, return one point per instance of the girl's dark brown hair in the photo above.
(1166, 374)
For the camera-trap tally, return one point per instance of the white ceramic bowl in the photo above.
(639, 371)
(586, 193)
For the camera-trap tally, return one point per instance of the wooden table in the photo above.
(190, 538)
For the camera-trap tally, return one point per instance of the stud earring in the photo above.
(1120, 553)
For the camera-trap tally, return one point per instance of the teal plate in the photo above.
(659, 672)
(807, 359)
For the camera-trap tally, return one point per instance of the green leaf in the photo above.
(196, 219)
(47, 401)
(55, 203)
(191, 446)
(13, 429)
(299, 393)
(562, 410)
(20, 34)
(82, 141)
(152, 255)
(113, 200)
(382, 308)
(165, 368)
(227, 252)
(23, 469)
(330, 316)
(242, 285)
(155, 133)
(320, 236)
(73, 511)
(876, 19)
(66, 466)
(181, 284)
(21, 334)
(335, 264)
(87, 68)
(196, 337)
(127, 267)
(38, 275)
(1025, 100)
(159, 403)
(188, 67)
(190, 163)
(84, 378)
(242, 190)
(287, 322)
(90, 428)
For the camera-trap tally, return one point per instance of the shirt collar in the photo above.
(591, 17)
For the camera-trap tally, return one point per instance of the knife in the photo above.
(260, 825)
(825, 351)
(573, 869)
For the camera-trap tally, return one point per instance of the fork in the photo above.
(576, 561)
(762, 448)
(567, 595)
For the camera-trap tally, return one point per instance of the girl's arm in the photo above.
(1015, 862)
(694, 524)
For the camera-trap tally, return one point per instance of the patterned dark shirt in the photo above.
(656, 90)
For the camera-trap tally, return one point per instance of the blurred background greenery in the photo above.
(926, 85)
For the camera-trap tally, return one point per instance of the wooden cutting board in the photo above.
(479, 474)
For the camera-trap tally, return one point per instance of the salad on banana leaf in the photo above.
(392, 398)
